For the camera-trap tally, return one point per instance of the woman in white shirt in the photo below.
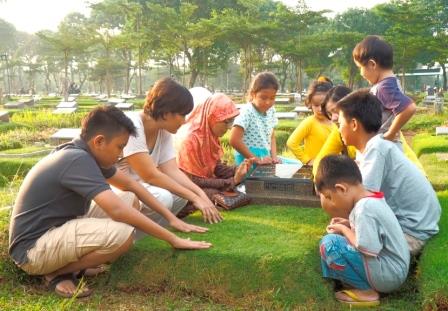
(150, 156)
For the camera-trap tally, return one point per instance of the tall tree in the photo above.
(71, 38)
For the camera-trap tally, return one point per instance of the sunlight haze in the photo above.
(31, 16)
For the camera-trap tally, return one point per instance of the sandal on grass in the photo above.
(79, 292)
(355, 300)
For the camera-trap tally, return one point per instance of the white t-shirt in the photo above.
(163, 149)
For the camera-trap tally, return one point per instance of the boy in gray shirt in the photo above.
(385, 168)
(50, 234)
(365, 247)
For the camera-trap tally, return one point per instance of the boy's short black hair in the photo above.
(364, 107)
(168, 96)
(334, 169)
(375, 48)
(108, 121)
(335, 94)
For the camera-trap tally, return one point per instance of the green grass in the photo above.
(436, 170)
(429, 143)
(425, 122)
(264, 257)
(26, 149)
(433, 270)
(15, 169)
(45, 119)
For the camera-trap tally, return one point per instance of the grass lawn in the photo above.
(264, 257)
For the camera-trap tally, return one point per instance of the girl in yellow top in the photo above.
(333, 145)
(307, 139)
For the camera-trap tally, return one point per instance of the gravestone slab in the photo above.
(71, 104)
(14, 105)
(282, 100)
(265, 188)
(64, 135)
(125, 106)
(442, 130)
(302, 110)
(64, 110)
(286, 115)
(128, 96)
(115, 101)
(4, 116)
(27, 101)
(101, 98)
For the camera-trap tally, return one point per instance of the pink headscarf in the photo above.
(199, 149)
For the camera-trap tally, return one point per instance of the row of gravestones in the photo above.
(68, 106)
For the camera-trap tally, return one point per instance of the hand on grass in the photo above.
(182, 226)
(180, 243)
(209, 212)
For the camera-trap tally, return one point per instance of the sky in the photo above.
(34, 15)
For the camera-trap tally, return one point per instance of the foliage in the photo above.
(43, 119)
(425, 122)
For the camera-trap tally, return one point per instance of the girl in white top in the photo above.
(150, 157)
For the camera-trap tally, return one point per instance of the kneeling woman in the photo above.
(150, 156)
(199, 149)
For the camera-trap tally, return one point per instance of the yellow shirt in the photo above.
(333, 145)
(308, 138)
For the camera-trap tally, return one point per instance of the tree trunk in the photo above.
(444, 75)
(193, 76)
(299, 76)
(65, 75)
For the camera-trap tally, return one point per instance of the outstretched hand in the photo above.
(210, 213)
(185, 227)
(180, 243)
(242, 169)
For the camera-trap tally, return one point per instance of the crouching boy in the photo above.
(365, 247)
(385, 168)
(49, 232)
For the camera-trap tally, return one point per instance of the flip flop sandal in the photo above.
(356, 301)
(52, 285)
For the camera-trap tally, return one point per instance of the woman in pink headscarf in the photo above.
(199, 150)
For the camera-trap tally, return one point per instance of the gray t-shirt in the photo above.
(407, 191)
(380, 238)
(57, 189)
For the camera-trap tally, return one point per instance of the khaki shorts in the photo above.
(63, 245)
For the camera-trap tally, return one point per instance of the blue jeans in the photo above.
(343, 262)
